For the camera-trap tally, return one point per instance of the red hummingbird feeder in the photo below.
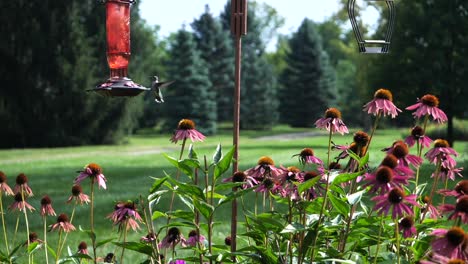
(118, 51)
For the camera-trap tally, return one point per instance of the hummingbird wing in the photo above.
(163, 84)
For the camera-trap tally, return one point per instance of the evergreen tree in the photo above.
(306, 86)
(259, 101)
(190, 96)
(46, 103)
(216, 50)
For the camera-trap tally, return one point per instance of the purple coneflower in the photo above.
(266, 185)
(194, 238)
(448, 173)
(62, 224)
(452, 243)
(150, 237)
(22, 185)
(382, 104)
(172, 238)
(429, 208)
(442, 151)
(20, 204)
(417, 135)
(240, 176)
(438, 259)
(33, 238)
(4, 186)
(460, 189)
(125, 213)
(186, 129)
(78, 195)
(307, 157)
(428, 105)
(179, 261)
(46, 206)
(228, 240)
(459, 210)
(94, 172)
(332, 122)
(83, 248)
(265, 168)
(391, 161)
(383, 179)
(314, 191)
(395, 199)
(401, 151)
(406, 224)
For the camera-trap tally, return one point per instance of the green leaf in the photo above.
(187, 189)
(192, 154)
(158, 214)
(223, 165)
(355, 197)
(293, 228)
(52, 251)
(33, 247)
(103, 242)
(136, 246)
(186, 215)
(90, 234)
(205, 209)
(364, 161)
(340, 261)
(346, 177)
(307, 184)
(81, 256)
(232, 195)
(217, 155)
(157, 183)
(338, 204)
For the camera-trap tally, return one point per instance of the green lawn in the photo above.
(128, 169)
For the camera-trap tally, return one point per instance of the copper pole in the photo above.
(238, 29)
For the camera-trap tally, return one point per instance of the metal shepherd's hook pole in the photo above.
(238, 29)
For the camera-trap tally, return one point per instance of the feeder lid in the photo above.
(119, 87)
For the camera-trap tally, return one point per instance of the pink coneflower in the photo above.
(172, 238)
(428, 105)
(315, 191)
(382, 104)
(383, 179)
(46, 206)
(83, 248)
(401, 151)
(179, 261)
(332, 122)
(442, 151)
(125, 213)
(265, 185)
(239, 177)
(186, 129)
(459, 210)
(417, 135)
(307, 157)
(78, 195)
(265, 168)
(406, 224)
(94, 172)
(22, 185)
(395, 199)
(4, 186)
(150, 237)
(62, 224)
(452, 243)
(194, 238)
(460, 189)
(20, 204)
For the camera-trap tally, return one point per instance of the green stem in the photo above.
(324, 203)
(93, 239)
(25, 215)
(45, 238)
(397, 238)
(171, 204)
(124, 241)
(3, 224)
(374, 128)
(16, 229)
(57, 257)
(378, 240)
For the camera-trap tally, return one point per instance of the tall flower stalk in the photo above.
(4, 189)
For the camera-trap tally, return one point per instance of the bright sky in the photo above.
(170, 15)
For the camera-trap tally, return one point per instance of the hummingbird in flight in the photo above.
(156, 86)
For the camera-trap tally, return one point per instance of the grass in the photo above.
(129, 169)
